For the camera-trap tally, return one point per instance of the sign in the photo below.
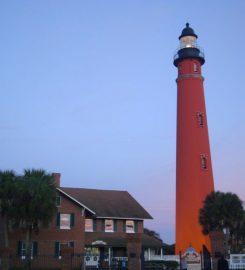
(192, 258)
(98, 242)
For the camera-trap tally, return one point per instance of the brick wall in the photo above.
(47, 237)
(134, 247)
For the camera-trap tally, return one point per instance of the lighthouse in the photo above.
(194, 176)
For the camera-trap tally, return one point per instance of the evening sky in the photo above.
(88, 90)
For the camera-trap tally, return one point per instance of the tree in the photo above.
(241, 234)
(34, 203)
(167, 249)
(152, 233)
(221, 211)
(7, 195)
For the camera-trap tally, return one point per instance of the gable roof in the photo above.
(107, 203)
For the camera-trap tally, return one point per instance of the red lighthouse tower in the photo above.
(194, 177)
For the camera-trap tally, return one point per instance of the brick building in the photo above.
(102, 223)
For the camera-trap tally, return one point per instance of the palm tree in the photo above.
(7, 195)
(34, 203)
(221, 211)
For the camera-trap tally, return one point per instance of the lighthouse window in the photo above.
(195, 67)
(204, 162)
(200, 117)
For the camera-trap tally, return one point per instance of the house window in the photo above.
(200, 119)
(93, 253)
(89, 225)
(204, 162)
(109, 225)
(195, 67)
(57, 250)
(58, 201)
(21, 249)
(130, 228)
(65, 221)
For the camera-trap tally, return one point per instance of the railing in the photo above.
(237, 261)
(73, 261)
(201, 52)
(39, 262)
(154, 257)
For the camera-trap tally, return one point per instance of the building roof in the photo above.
(107, 203)
(151, 241)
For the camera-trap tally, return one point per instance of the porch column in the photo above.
(109, 256)
(161, 253)
(149, 254)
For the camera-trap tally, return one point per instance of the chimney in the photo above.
(56, 177)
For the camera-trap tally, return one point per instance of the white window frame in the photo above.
(23, 250)
(109, 222)
(66, 219)
(88, 226)
(130, 226)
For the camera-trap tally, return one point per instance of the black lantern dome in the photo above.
(188, 31)
(188, 48)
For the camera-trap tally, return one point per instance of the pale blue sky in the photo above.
(88, 90)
